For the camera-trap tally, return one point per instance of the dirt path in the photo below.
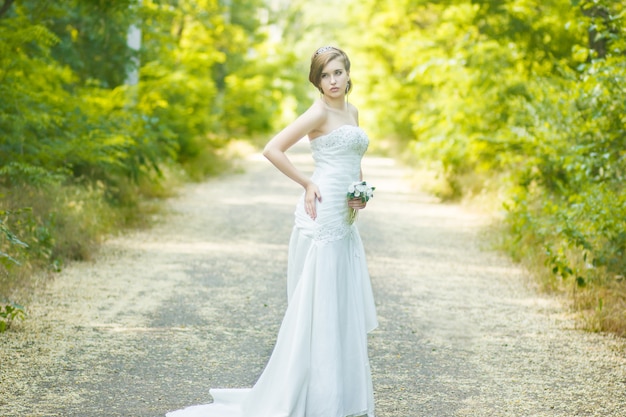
(196, 302)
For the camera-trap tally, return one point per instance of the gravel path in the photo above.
(164, 314)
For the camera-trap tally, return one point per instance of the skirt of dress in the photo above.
(319, 366)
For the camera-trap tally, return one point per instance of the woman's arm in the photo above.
(276, 148)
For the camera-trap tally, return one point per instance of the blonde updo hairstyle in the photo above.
(320, 59)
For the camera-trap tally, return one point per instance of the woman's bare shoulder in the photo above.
(353, 111)
(319, 108)
(317, 114)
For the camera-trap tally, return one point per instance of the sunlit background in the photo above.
(520, 104)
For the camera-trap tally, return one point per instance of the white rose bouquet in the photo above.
(358, 189)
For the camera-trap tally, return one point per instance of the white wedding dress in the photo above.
(319, 366)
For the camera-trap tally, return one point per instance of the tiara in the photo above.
(323, 49)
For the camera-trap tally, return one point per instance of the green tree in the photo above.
(78, 146)
(520, 98)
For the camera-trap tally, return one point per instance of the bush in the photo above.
(524, 100)
(84, 152)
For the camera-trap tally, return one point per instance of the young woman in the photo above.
(319, 366)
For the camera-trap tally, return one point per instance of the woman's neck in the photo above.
(338, 104)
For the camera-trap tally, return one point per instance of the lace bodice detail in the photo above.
(330, 233)
(337, 158)
(348, 138)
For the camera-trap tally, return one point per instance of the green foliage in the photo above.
(521, 98)
(7, 241)
(83, 150)
(9, 313)
(524, 99)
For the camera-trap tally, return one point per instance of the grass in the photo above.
(64, 223)
(599, 304)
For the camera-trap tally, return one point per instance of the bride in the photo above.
(319, 366)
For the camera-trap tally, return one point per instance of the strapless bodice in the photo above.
(337, 157)
(339, 152)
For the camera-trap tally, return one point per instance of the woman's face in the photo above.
(334, 80)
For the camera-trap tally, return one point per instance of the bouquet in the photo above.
(358, 189)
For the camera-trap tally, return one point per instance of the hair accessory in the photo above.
(323, 49)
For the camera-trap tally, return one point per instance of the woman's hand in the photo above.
(311, 197)
(356, 203)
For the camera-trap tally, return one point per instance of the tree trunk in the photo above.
(5, 6)
(596, 43)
